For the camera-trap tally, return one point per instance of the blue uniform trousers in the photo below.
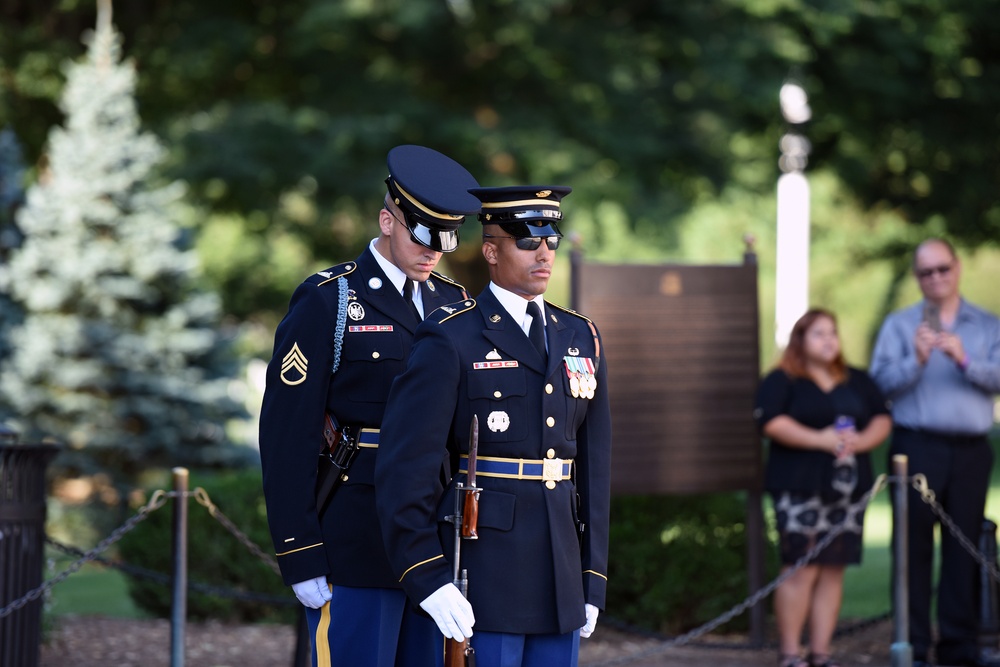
(372, 627)
(501, 649)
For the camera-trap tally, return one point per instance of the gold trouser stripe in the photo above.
(321, 642)
(311, 546)
(423, 562)
(596, 574)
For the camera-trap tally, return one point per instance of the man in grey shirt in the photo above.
(938, 362)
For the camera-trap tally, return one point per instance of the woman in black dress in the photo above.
(822, 419)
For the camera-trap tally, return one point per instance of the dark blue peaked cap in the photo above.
(523, 210)
(430, 186)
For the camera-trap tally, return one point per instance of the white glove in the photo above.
(313, 593)
(591, 624)
(451, 611)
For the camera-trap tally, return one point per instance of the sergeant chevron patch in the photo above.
(294, 366)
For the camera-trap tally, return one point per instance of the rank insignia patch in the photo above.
(294, 366)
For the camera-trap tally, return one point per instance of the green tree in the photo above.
(119, 356)
(11, 196)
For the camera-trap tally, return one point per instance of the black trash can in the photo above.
(22, 543)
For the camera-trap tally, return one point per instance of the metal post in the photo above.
(901, 652)
(755, 563)
(178, 606)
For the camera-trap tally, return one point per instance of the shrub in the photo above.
(215, 556)
(677, 562)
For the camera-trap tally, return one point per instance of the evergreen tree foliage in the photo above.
(11, 196)
(119, 356)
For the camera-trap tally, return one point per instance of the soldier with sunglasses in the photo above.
(938, 362)
(534, 375)
(346, 336)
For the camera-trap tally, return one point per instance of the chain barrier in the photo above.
(156, 501)
(918, 481)
(927, 495)
(202, 497)
(160, 497)
(753, 598)
(165, 579)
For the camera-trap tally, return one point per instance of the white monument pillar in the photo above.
(792, 252)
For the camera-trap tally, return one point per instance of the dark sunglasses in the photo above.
(438, 240)
(529, 242)
(923, 274)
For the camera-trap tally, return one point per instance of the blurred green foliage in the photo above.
(279, 115)
(677, 562)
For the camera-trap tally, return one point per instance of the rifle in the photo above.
(341, 447)
(465, 520)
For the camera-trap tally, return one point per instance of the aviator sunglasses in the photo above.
(923, 274)
(529, 242)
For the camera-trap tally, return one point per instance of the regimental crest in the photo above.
(498, 421)
(294, 366)
(448, 309)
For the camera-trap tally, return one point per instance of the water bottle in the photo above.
(845, 468)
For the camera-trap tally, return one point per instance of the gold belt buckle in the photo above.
(552, 470)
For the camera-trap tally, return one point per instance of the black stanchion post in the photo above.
(901, 652)
(178, 606)
(303, 642)
(989, 620)
(22, 545)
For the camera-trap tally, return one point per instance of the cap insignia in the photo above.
(543, 193)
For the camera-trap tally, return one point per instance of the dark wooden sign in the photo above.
(682, 348)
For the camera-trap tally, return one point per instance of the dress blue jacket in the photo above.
(378, 334)
(528, 572)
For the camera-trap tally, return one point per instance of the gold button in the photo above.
(375, 355)
(550, 454)
(497, 394)
(550, 484)
(550, 421)
(548, 389)
(343, 477)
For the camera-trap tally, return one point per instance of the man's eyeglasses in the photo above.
(924, 274)
(529, 242)
(439, 240)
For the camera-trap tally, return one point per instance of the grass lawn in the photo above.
(94, 589)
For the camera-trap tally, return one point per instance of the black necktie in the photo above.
(408, 297)
(536, 332)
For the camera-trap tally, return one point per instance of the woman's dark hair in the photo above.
(793, 360)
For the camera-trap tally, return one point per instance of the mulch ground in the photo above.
(95, 641)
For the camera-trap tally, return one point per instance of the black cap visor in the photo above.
(439, 240)
(525, 230)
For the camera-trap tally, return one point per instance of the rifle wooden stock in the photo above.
(458, 654)
(470, 514)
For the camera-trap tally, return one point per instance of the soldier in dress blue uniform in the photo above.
(347, 334)
(534, 586)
